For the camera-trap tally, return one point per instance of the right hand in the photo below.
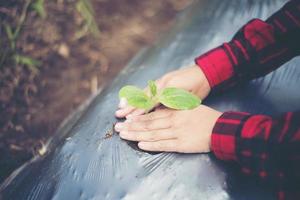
(191, 79)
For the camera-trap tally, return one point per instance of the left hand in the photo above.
(185, 131)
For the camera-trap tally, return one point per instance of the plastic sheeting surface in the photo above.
(83, 163)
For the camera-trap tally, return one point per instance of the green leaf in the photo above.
(9, 32)
(136, 97)
(11, 36)
(153, 88)
(39, 7)
(178, 99)
(31, 63)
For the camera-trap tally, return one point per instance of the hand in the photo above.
(187, 131)
(191, 79)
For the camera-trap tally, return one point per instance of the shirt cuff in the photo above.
(217, 67)
(225, 133)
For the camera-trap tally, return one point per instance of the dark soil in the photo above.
(34, 102)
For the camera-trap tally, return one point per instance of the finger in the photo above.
(136, 112)
(157, 114)
(162, 145)
(123, 103)
(162, 123)
(139, 112)
(148, 136)
(124, 111)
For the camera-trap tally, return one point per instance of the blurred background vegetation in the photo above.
(55, 54)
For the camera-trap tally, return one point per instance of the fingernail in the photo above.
(123, 103)
(141, 145)
(120, 112)
(118, 127)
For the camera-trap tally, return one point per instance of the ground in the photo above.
(34, 101)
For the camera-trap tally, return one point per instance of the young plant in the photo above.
(171, 97)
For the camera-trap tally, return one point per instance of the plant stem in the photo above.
(22, 19)
(155, 101)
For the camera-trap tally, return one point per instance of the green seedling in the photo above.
(171, 97)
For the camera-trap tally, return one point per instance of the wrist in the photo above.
(214, 119)
(217, 68)
(204, 87)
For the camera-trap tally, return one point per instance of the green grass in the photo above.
(12, 32)
(39, 7)
(11, 29)
(86, 11)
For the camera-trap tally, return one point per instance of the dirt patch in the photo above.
(34, 102)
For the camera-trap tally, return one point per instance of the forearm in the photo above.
(263, 146)
(258, 48)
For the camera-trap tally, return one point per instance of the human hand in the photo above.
(191, 79)
(185, 131)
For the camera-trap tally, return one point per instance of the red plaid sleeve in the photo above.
(258, 48)
(266, 147)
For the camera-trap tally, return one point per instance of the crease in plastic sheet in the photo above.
(87, 160)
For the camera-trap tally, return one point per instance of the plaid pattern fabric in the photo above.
(264, 146)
